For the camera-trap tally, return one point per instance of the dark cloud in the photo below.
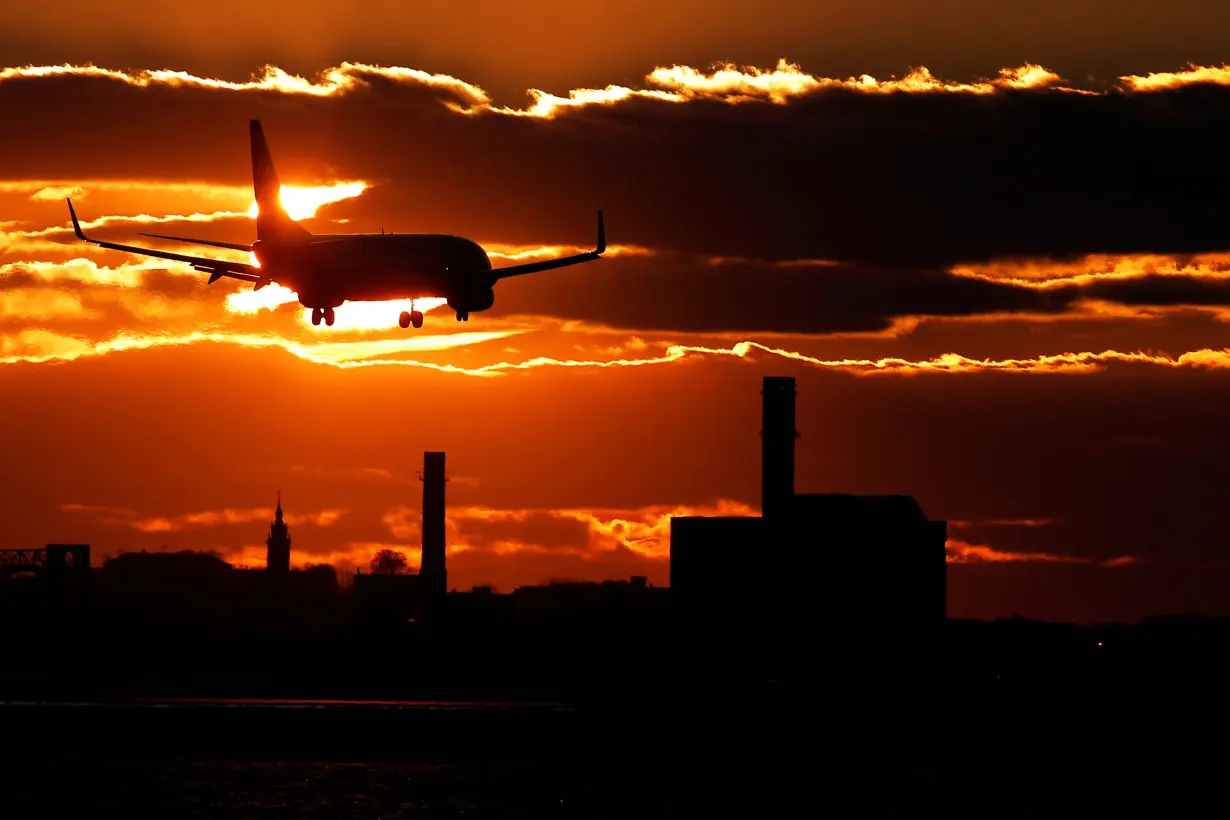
(561, 44)
(919, 179)
(685, 293)
(1163, 290)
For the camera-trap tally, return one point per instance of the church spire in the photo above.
(277, 555)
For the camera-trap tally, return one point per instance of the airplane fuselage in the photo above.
(327, 270)
(331, 269)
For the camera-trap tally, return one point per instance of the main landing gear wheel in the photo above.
(463, 315)
(316, 316)
(413, 317)
(329, 317)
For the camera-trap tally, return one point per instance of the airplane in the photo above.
(327, 270)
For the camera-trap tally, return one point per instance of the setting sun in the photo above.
(303, 202)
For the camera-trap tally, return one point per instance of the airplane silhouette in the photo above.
(326, 270)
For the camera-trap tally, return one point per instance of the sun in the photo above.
(303, 202)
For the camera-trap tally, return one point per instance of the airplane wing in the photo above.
(216, 268)
(561, 262)
(234, 246)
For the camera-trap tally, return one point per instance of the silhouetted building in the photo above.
(389, 597)
(886, 559)
(777, 437)
(277, 555)
(432, 569)
(829, 570)
(170, 590)
(55, 563)
(722, 577)
(617, 599)
(35, 583)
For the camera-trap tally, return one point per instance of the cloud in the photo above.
(335, 81)
(1030, 523)
(916, 171)
(39, 304)
(207, 518)
(345, 473)
(800, 245)
(960, 552)
(1166, 80)
(345, 559)
(536, 543)
(35, 346)
(403, 522)
(680, 292)
(922, 197)
(1094, 268)
(643, 531)
(53, 194)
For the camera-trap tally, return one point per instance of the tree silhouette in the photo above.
(390, 562)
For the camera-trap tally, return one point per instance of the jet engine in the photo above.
(472, 299)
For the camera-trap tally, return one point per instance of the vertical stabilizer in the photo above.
(273, 224)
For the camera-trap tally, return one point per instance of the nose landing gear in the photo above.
(463, 315)
(323, 313)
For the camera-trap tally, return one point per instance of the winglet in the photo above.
(76, 224)
(601, 235)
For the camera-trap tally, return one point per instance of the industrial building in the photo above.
(836, 569)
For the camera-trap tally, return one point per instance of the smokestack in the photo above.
(777, 437)
(431, 568)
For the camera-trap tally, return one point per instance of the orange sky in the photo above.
(1001, 282)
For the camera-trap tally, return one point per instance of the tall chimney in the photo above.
(432, 569)
(777, 436)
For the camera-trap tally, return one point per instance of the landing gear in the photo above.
(316, 316)
(329, 317)
(323, 313)
(411, 317)
(463, 315)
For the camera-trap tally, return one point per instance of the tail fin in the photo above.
(273, 224)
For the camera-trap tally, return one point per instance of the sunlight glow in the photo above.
(269, 297)
(349, 316)
(303, 202)
(371, 315)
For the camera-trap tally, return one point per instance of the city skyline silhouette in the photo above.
(877, 467)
